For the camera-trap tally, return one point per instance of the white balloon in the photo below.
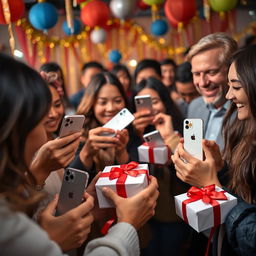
(122, 9)
(98, 35)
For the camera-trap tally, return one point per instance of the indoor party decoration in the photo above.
(115, 56)
(159, 27)
(222, 6)
(98, 35)
(16, 10)
(67, 30)
(122, 9)
(95, 13)
(142, 5)
(43, 16)
(153, 2)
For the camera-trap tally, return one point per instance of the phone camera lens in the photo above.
(124, 111)
(187, 122)
(68, 172)
(68, 120)
(71, 176)
(67, 178)
(71, 122)
(66, 124)
(121, 114)
(186, 126)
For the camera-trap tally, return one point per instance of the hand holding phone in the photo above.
(71, 124)
(72, 190)
(120, 121)
(143, 103)
(193, 136)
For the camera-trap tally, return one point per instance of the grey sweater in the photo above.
(22, 237)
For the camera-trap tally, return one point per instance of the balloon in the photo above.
(17, 8)
(67, 30)
(95, 13)
(154, 2)
(98, 36)
(182, 10)
(122, 9)
(159, 27)
(222, 6)
(43, 16)
(142, 6)
(115, 56)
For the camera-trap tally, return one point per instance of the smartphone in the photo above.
(121, 120)
(72, 190)
(154, 139)
(143, 102)
(193, 135)
(71, 124)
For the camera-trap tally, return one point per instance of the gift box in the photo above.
(204, 208)
(126, 180)
(153, 155)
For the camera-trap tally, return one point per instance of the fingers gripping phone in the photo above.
(143, 102)
(71, 124)
(72, 190)
(154, 139)
(193, 135)
(121, 120)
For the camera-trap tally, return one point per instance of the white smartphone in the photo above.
(71, 124)
(72, 190)
(154, 139)
(193, 135)
(121, 120)
(143, 102)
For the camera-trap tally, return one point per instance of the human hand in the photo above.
(71, 229)
(163, 124)
(142, 120)
(123, 138)
(53, 155)
(196, 172)
(138, 209)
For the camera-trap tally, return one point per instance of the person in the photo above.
(54, 68)
(168, 70)
(124, 76)
(239, 154)
(185, 87)
(209, 59)
(103, 99)
(22, 134)
(169, 233)
(249, 40)
(89, 69)
(147, 68)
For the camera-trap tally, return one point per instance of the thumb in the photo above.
(109, 193)
(51, 207)
(208, 151)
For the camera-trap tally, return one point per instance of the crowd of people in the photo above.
(216, 83)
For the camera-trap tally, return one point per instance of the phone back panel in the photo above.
(73, 186)
(154, 139)
(71, 124)
(193, 135)
(143, 102)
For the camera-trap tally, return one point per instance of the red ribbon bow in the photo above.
(121, 173)
(209, 195)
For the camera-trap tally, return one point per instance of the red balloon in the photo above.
(181, 10)
(80, 1)
(141, 5)
(17, 8)
(95, 13)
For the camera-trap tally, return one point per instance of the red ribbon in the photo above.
(121, 173)
(209, 195)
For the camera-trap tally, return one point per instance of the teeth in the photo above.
(239, 105)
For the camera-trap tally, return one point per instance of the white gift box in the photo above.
(154, 155)
(200, 215)
(132, 185)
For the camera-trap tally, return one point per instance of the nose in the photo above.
(203, 80)
(110, 106)
(52, 113)
(229, 95)
(187, 99)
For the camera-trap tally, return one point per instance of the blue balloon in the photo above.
(115, 56)
(43, 16)
(159, 27)
(67, 30)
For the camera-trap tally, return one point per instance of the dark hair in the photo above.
(121, 67)
(183, 73)
(90, 96)
(170, 106)
(240, 135)
(24, 100)
(92, 64)
(249, 40)
(147, 63)
(55, 67)
(168, 62)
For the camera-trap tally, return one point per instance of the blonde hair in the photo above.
(215, 41)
